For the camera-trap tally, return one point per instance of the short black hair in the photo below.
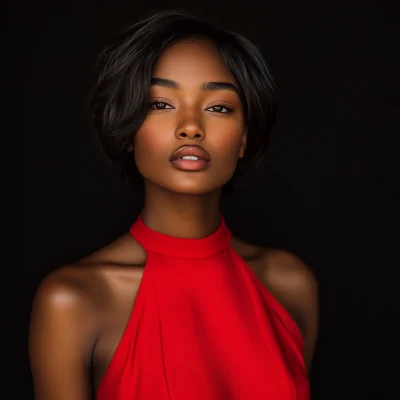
(120, 98)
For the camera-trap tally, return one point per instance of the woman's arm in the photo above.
(295, 287)
(61, 339)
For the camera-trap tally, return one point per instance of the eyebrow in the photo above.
(206, 86)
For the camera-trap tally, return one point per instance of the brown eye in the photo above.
(219, 108)
(160, 105)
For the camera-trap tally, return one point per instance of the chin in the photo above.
(192, 184)
(195, 187)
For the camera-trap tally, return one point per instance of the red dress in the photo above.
(204, 327)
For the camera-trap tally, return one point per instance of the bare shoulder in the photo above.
(67, 298)
(288, 275)
(71, 309)
(86, 285)
(295, 286)
(68, 287)
(62, 333)
(83, 290)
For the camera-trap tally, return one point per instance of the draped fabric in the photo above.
(204, 327)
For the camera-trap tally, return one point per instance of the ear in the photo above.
(243, 145)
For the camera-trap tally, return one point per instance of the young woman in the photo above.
(177, 308)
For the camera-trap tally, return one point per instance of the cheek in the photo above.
(226, 145)
(150, 145)
(227, 140)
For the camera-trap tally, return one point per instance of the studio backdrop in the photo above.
(327, 189)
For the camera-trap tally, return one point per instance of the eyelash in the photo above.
(229, 110)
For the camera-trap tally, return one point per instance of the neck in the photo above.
(181, 215)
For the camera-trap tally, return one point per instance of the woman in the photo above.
(177, 308)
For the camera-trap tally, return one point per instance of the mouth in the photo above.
(190, 158)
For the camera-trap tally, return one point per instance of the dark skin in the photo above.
(80, 311)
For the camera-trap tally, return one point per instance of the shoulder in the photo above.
(295, 286)
(86, 283)
(64, 321)
(285, 274)
(68, 293)
(64, 326)
(67, 286)
(72, 308)
(281, 269)
(288, 275)
(83, 290)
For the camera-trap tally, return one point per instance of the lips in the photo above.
(190, 158)
(190, 151)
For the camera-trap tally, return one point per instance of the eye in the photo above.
(219, 108)
(160, 105)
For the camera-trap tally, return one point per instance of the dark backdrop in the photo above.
(327, 189)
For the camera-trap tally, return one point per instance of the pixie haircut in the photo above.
(120, 98)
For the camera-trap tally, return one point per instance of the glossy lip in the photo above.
(190, 150)
(190, 165)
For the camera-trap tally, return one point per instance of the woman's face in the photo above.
(194, 101)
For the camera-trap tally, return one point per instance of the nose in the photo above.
(190, 129)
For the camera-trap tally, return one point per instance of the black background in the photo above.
(328, 189)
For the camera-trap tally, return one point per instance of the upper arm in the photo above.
(296, 287)
(60, 336)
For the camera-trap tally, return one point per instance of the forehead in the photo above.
(195, 60)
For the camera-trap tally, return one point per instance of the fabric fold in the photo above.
(204, 327)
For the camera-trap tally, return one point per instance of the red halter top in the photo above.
(203, 327)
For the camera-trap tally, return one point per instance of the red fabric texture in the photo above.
(204, 327)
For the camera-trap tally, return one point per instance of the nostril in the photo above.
(193, 136)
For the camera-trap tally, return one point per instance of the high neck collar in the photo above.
(160, 243)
